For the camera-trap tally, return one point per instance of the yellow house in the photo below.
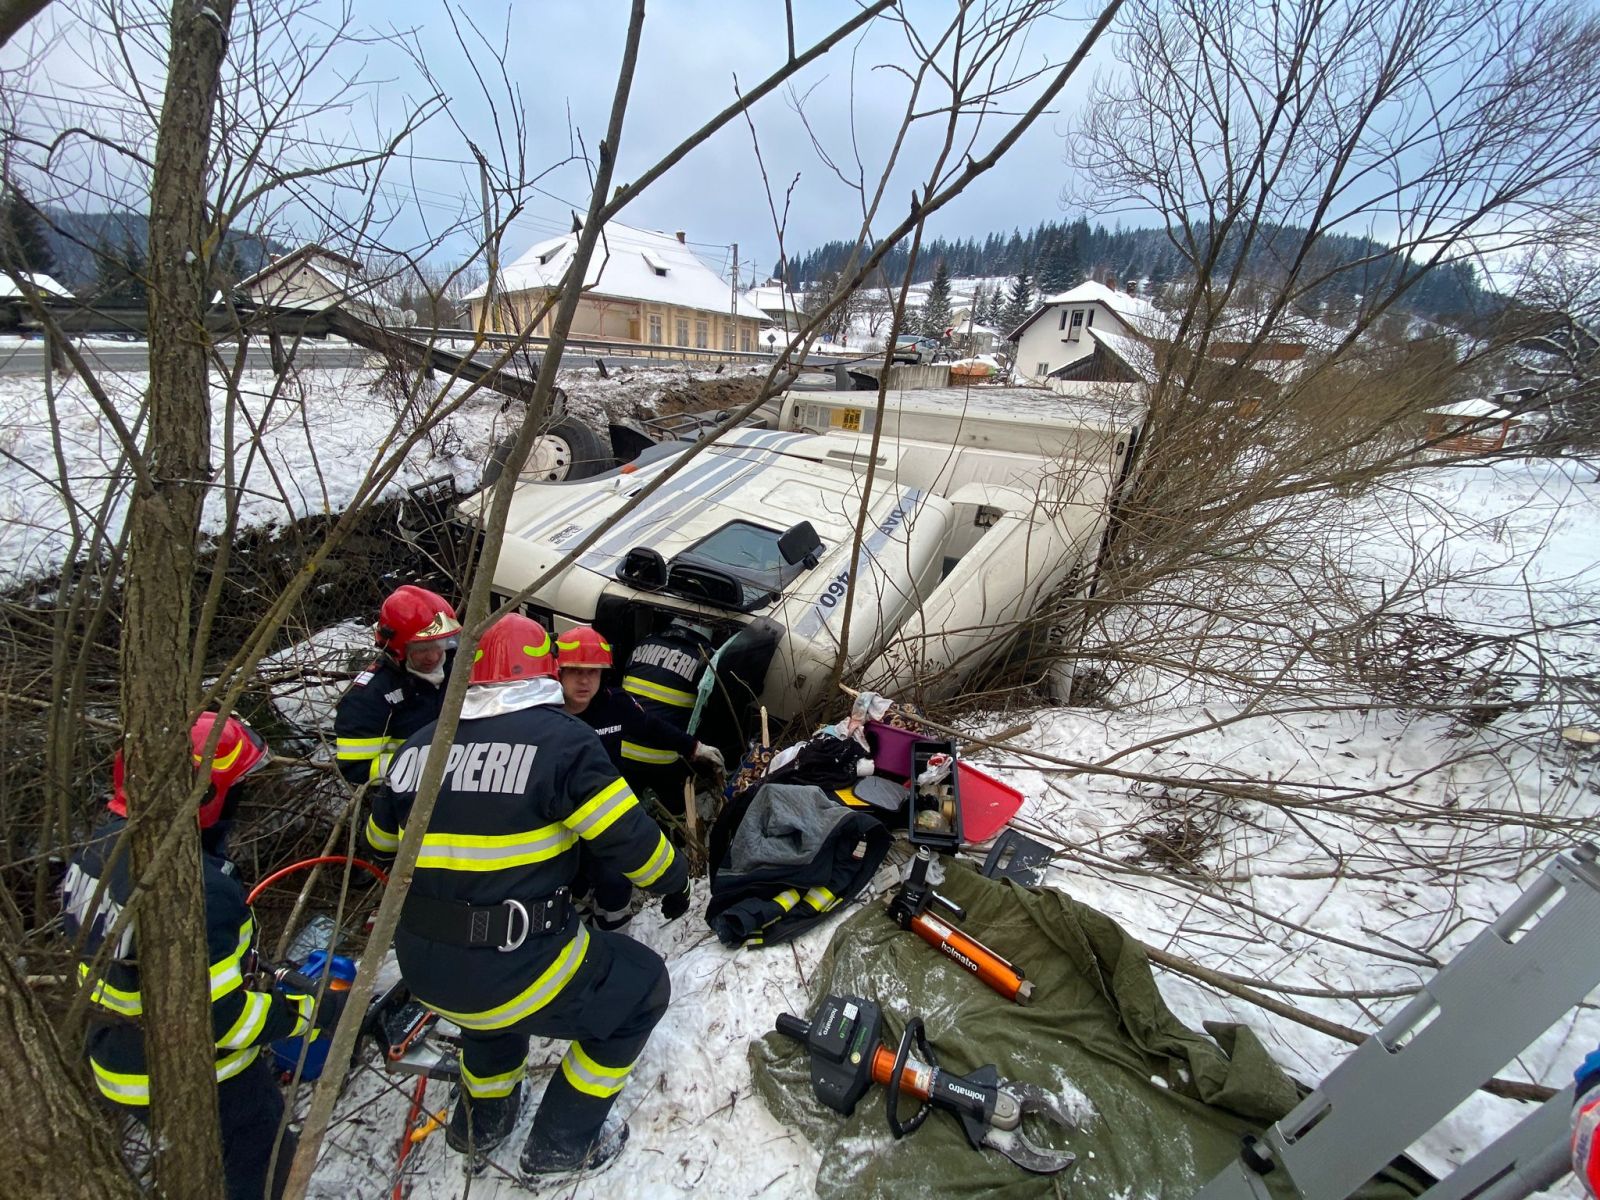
(644, 287)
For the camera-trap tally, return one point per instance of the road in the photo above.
(29, 358)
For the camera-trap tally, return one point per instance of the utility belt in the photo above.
(504, 926)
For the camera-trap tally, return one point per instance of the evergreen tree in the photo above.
(120, 275)
(24, 240)
(936, 312)
(1019, 304)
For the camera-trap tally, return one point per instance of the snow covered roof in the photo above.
(771, 298)
(1477, 409)
(630, 264)
(1139, 356)
(1135, 311)
(42, 283)
(277, 283)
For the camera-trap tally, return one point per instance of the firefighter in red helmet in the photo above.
(489, 937)
(97, 886)
(403, 689)
(633, 739)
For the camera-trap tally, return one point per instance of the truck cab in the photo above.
(973, 518)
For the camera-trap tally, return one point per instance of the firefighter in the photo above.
(631, 737)
(1586, 1123)
(403, 688)
(488, 936)
(663, 675)
(249, 1104)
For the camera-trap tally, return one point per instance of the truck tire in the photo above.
(568, 450)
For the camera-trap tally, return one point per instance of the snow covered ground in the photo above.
(1344, 900)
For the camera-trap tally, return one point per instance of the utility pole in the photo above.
(733, 303)
(487, 322)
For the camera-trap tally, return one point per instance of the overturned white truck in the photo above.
(983, 502)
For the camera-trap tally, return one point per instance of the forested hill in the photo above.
(86, 246)
(1057, 255)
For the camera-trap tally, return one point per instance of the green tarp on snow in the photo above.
(1159, 1107)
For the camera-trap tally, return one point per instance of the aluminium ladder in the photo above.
(1484, 1007)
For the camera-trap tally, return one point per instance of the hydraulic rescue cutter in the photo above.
(848, 1056)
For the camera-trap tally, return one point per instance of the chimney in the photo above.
(683, 238)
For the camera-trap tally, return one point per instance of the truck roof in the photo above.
(758, 476)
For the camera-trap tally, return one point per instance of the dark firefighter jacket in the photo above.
(786, 856)
(664, 672)
(383, 706)
(631, 735)
(520, 790)
(242, 1020)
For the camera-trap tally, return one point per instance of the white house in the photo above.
(642, 286)
(314, 278)
(1056, 334)
(42, 284)
(782, 308)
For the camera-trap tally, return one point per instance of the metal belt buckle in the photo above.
(513, 907)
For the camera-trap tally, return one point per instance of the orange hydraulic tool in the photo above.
(909, 908)
(848, 1057)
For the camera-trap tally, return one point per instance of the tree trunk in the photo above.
(160, 666)
(49, 1106)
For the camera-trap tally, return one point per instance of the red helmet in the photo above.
(411, 614)
(240, 751)
(582, 646)
(514, 647)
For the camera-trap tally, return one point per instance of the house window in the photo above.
(702, 335)
(1077, 325)
(1063, 318)
(1044, 369)
(727, 337)
(744, 340)
(1090, 319)
(683, 331)
(655, 329)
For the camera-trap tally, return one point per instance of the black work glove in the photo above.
(297, 986)
(329, 1011)
(675, 905)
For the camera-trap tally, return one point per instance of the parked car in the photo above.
(915, 348)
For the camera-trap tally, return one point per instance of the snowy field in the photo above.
(1344, 901)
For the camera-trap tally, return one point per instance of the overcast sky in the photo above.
(563, 59)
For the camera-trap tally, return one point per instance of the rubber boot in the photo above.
(610, 920)
(542, 1160)
(492, 1121)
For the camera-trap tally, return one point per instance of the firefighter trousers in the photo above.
(249, 1110)
(606, 1012)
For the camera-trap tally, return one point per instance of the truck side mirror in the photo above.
(643, 568)
(800, 543)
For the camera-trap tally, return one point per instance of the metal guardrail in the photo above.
(629, 349)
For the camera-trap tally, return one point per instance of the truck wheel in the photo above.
(568, 450)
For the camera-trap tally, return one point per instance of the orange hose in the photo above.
(405, 1137)
(305, 863)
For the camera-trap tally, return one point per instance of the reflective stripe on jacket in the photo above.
(241, 1020)
(383, 706)
(521, 790)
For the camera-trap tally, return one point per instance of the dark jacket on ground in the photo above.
(785, 857)
(521, 790)
(384, 705)
(242, 1021)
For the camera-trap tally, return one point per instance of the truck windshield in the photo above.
(742, 546)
